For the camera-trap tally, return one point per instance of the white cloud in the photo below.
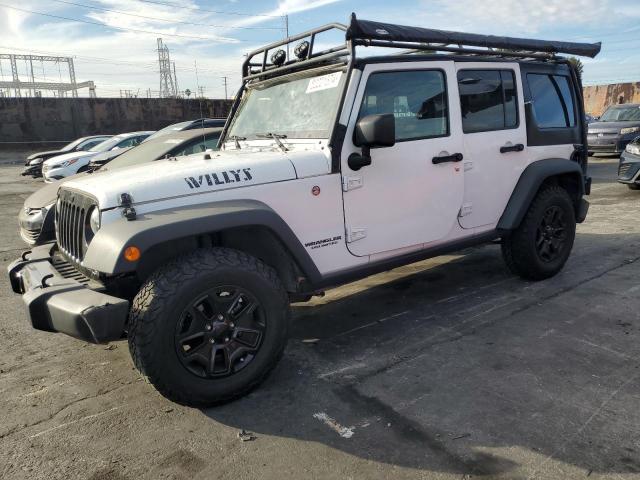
(514, 15)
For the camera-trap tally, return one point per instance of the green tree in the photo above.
(577, 64)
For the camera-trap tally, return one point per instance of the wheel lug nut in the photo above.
(207, 327)
(212, 340)
(226, 339)
(232, 325)
(220, 317)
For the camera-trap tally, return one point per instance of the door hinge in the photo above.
(351, 183)
(466, 209)
(354, 234)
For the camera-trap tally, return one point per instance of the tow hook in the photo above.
(127, 210)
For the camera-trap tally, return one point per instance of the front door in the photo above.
(495, 138)
(405, 198)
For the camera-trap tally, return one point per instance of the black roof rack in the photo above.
(411, 39)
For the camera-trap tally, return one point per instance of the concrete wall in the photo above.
(41, 120)
(598, 97)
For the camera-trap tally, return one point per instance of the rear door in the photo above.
(495, 138)
(404, 199)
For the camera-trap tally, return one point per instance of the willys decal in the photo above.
(220, 178)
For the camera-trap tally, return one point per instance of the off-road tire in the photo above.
(519, 246)
(161, 299)
(633, 186)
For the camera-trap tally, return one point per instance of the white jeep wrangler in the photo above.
(333, 167)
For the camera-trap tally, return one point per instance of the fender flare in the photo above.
(105, 254)
(533, 176)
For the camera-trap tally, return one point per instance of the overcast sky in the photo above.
(116, 46)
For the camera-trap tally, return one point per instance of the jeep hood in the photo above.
(195, 174)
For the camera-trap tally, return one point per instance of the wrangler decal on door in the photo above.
(220, 178)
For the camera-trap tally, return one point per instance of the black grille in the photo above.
(68, 270)
(71, 218)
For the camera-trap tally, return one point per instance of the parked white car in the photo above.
(62, 166)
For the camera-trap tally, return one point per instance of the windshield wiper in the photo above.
(276, 137)
(236, 139)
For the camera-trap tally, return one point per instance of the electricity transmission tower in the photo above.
(33, 88)
(168, 79)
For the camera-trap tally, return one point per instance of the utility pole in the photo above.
(225, 88)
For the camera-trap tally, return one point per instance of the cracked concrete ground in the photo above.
(445, 369)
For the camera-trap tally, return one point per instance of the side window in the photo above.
(417, 99)
(552, 100)
(488, 100)
(91, 143)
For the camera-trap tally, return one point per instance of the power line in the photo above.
(174, 5)
(103, 25)
(120, 12)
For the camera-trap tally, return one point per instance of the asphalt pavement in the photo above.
(445, 369)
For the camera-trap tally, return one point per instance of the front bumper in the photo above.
(34, 171)
(60, 299)
(609, 143)
(629, 168)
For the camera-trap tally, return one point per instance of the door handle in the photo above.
(518, 147)
(456, 157)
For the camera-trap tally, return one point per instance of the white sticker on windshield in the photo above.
(172, 140)
(324, 82)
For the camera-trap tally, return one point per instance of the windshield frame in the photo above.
(245, 90)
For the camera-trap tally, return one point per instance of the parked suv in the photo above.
(333, 167)
(617, 126)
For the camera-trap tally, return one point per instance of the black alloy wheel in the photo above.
(220, 332)
(551, 234)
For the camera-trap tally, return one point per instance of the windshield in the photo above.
(107, 144)
(175, 127)
(146, 152)
(70, 146)
(298, 107)
(621, 114)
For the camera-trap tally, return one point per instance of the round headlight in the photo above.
(94, 220)
(37, 161)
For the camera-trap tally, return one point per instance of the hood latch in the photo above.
(127, 210)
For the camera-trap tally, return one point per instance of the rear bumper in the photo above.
(58, 303)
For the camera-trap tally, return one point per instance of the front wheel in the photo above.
(541, 244)
(209, 326)
(633, 186)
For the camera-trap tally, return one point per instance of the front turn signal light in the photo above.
(132, 254)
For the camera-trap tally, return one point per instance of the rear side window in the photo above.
(552, 100)
(488, 100)
(417, 99)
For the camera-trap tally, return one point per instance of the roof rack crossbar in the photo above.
(419, 48)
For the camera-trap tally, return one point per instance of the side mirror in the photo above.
(370, 132)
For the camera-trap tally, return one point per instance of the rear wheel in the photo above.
(209, 326)
(541, 245)
(633, 186)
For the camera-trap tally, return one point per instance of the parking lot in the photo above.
(448, 368)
